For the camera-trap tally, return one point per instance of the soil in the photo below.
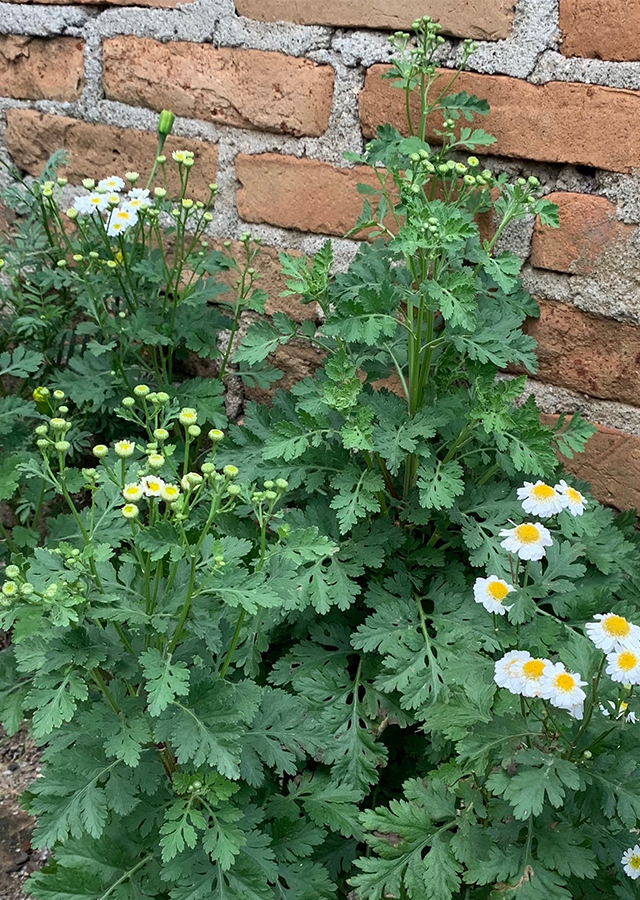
(19, 767)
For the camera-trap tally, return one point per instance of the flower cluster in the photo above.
(106, 197)
(620, 641)
(520, 673)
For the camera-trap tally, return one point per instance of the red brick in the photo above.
(99, 150)
(307, 195)
(588, 224)
(486, 20)
(581, 124)
(600, 357)
(35, 68)
(303, 194)
(610, 464)
(246, 88)
(297, 360)
(601, 29)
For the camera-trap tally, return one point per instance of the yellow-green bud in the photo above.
(281, 484)
(215, 435)
(61, 182)
(59, 424)
(100, 451)
(130, 511)
(40, 394)
(132, 176)
(88, 183)
(62, 446)
(160, 192)
(72, 213)
(141, 390)
(42, 444)
(58, 395)
(62, 264)
(193, 478)
(188, 416)
(161, 434)
(94, 254)
(10, 589)
(128, 402)
(163, 397)
(63, 410)
(112, 264)
(230, 471)
(473, 161)
(156, 461)
(270, 495)
(41, 430)
(26, 589)
(234, 490)
(187, 203)
(165, 122)
(207, 468)
(12, 572)
(194, 431)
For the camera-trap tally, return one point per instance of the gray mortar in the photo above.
(531, 52)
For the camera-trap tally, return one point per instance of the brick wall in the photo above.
(270, 94)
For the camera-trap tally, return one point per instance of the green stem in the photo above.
(233, 644)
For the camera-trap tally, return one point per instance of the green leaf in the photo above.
(538, 776)
(160, 540)
(165, 680)
(355, 495)
(439, 483)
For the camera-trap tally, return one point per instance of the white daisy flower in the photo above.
(540, 499)
(138, 199)
(152, 486)
(491, 592)
(623, 666)
(621, 713)
(577, 711)
(170, 493)
(631, 862)
(112, 184)
(612, 632)
(532, 672)
(87, 205)
(527, 540)
(124, 449)
(561, 688)
(508, 670)
(571, 499)
(121, 220)
(133, 492)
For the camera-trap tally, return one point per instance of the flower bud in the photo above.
(194, 431)
(270, 495)
(156, 461)
(59, 424)
(124, 449)
(128, 402)
(234, 490)
(26, 589)
(473, 161)
(62, 446)
(41, 430)
(130, 511)
(230, 471)
(188, 416)
(281, 484)
(187, 203)
(42, 444)
(160, 192)
(215, 435)
(207, 217)
(161, 434)
(162, 397)
(132, 176)
(12, 572)
(165, 122)
(100, 451)
(88, 183)
(141, 390)
(72, 213)
(10, 589)
(62, 264)
(269, 485)
(58, 395)
(194, 479)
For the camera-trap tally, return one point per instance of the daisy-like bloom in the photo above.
(623, 666)
(571, 499)
(508, 670)
(133, 492)
(121, 220)
(527, 540)
(152, 486)
(631, 862)
(532, 671)
(85, 206)
(561, 688)
(124, 449)
(621, 713)
(181, 156)
(540, 499)
(138, 199)
(491, 592)
(188, 416)
(612, 632)
(170, 493)
(112, 184)
(130, 511)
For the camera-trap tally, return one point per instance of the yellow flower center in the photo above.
(573, 495)
(533, 668)
(564, 682)
(542, 492)
(634, 862)
(153, 485)
(627, 660)
(616, 626)
(497, 590)
(527, 534)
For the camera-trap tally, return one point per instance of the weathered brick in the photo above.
(610, 464)
(299, 193)
(99, 150)
(297, 360)
(588, 224)
(272, 281)
(164, 4)
(486, 20)
(600, 357)
(558, 122)
(36, 68)
(307, 195)
(601, 29)
(246, 88)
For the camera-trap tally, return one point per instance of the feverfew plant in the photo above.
(490, 741)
